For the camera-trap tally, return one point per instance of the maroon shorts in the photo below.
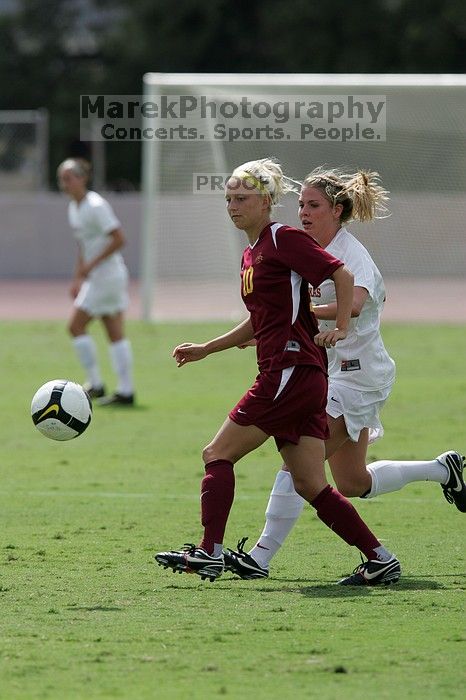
(286, 404)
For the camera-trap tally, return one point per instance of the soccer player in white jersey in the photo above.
(100, 284)
(361, 373)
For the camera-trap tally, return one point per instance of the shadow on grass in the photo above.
(95, 608)
(407, 583)
(318, 589)
(121, 408)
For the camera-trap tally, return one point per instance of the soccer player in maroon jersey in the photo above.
(288, 398)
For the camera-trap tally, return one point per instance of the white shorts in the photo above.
(104, 296)
(360, 409)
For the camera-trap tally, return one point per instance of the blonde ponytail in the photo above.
(361, 195)
(368, 196)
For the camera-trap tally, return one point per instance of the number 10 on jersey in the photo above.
(248, 286)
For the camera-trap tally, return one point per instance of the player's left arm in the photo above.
(116, 240)
(344, 287)
(328, 312)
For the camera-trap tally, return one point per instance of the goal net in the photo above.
(23, 150)
(409, 128)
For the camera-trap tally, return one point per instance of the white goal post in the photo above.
(410, 128)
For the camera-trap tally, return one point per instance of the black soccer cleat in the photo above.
(374, 573)
(191, 560)
(117, 400)
(455, 488)
(242, 564)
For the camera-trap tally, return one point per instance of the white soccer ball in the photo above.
(61, 410)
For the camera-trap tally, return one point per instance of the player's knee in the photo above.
(209, 453)
(350, 489)
(74, 330)
(213, 452)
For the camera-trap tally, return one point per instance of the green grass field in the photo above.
(85, 613)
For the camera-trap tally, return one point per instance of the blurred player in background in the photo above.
(361, 373)
(100, 284)
(289, 396)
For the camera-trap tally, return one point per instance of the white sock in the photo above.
(122, 361)
(87, 354)
(390, 476)
(283, 510)
(383, 554)
(218, 550)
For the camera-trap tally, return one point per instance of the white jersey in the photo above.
(92, 219)
(360, 360)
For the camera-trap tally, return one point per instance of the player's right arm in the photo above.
(191, 352)
(344, 287)
(116, 240)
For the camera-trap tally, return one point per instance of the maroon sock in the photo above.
(340, 516)
(217, 492)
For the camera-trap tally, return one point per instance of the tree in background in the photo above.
(55, 50)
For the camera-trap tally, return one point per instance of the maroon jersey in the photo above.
(275, 273)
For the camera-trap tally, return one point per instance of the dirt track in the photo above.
(419, 300)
